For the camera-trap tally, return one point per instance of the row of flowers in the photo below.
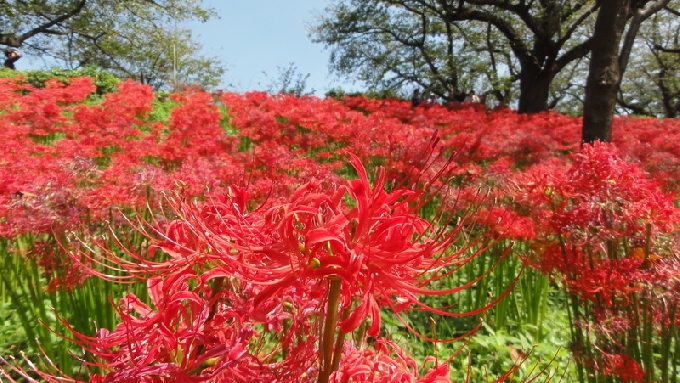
(99, 155)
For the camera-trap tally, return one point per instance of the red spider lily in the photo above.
(68, 164)
(623, 366)
(612, 278)
(506, 223)
(595, 199)
(384, 363)
(178, 338)
(384, 129)
(603, 221)
(376, 248)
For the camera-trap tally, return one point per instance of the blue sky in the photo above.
(256, 36)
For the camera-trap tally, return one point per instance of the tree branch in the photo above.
(516, 43)
(581, 19)
(639, 110)
(575, 53)
(46, 28)
(673, 11)
(639, 16)
(667, 50)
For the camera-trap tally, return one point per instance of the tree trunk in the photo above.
(534, 86)
(670, 107)
(604, 73)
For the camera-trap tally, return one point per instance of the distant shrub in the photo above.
(104, 81)
(340, 94)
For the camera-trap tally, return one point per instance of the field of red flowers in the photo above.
(255, 237)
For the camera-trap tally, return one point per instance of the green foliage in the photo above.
(448, 48)
(487, 355)
(390, 46)
(491, 354)
(130, 39)
(519, 321)
(377, 94)
(12, 335)
(105, 81)
(336, 93)
(535, 54)
(374, 94)
(162, 107)
(29, 307)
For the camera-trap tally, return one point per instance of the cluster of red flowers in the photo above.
(604, 228)
(379, 366)
(87, 157)
(593, 217)
(230, 270)
(594, 214)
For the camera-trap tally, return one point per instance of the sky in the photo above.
(255, 38)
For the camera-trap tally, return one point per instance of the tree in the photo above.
(609, 58)
(22, 21)
(368, 43)
(167, 56)
(651, 84)
(405, 42)
(127, 37)
(566, 88)
(289, 81)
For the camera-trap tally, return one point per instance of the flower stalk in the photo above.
(339, 342)
(327, 344)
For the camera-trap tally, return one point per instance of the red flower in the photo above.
(383, 253)
(175, 339)
(384, 363)
(624, 367)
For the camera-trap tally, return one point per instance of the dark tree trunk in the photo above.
(668, 97)
(604, 73)
(534, 86)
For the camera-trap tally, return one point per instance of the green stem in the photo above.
(676, 352)
(648, 353)
(666, 342)
(339, 342)
(361, 335)
(329, 330)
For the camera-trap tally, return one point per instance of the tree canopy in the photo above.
(506, 45)
(534, 50)
(130, 38)
(443, 44)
